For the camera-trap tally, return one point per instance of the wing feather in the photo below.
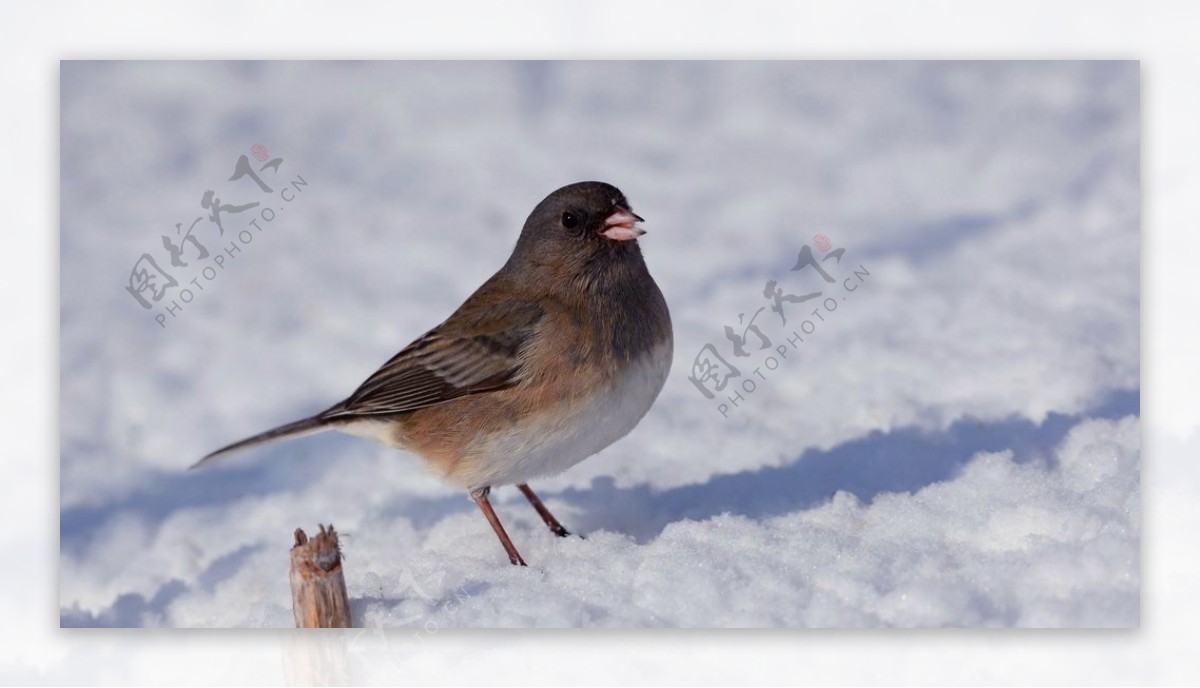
(468, 354)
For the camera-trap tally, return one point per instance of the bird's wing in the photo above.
(476, 350)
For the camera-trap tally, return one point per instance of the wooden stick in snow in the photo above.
(318, 587)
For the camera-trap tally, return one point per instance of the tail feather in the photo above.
(307, 426)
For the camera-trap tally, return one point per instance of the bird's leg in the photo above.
(480, 496)
(551, 522)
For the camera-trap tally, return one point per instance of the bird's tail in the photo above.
(307, 426)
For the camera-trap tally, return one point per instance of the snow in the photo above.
(956, 445)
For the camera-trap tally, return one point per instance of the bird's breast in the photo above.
(579, 423)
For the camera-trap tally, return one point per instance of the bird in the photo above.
(555, 357)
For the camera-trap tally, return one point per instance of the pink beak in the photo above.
(622, 226)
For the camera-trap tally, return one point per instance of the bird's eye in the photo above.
(570, 220)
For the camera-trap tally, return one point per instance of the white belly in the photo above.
(562, 438)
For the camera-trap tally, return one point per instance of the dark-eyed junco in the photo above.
(554, 358)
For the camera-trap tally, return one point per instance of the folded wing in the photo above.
(467, 354)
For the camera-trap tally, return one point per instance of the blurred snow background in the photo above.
(957, 445)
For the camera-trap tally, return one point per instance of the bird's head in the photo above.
(579, 224)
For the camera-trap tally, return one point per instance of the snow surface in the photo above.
(956, 445)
